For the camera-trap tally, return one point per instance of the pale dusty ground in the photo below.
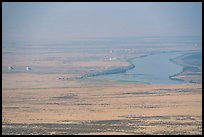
(38, 103)
(71, 102)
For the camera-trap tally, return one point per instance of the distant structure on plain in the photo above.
(28, 68)
(10, 68)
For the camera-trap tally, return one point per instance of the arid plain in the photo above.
(54, 98)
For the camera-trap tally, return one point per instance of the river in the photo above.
(153, 69)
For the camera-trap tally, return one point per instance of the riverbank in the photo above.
(192, 67)
(154, 68)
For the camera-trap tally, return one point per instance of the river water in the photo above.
(153, 69)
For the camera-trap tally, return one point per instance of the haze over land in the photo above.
(61, 21)
(102, 68)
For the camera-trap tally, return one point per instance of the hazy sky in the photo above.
(60, 21)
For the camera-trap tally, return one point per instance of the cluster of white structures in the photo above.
(111, 59)
(12, 68)
(110, 51)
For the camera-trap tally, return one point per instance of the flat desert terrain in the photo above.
(107, 109)
(53, 98)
